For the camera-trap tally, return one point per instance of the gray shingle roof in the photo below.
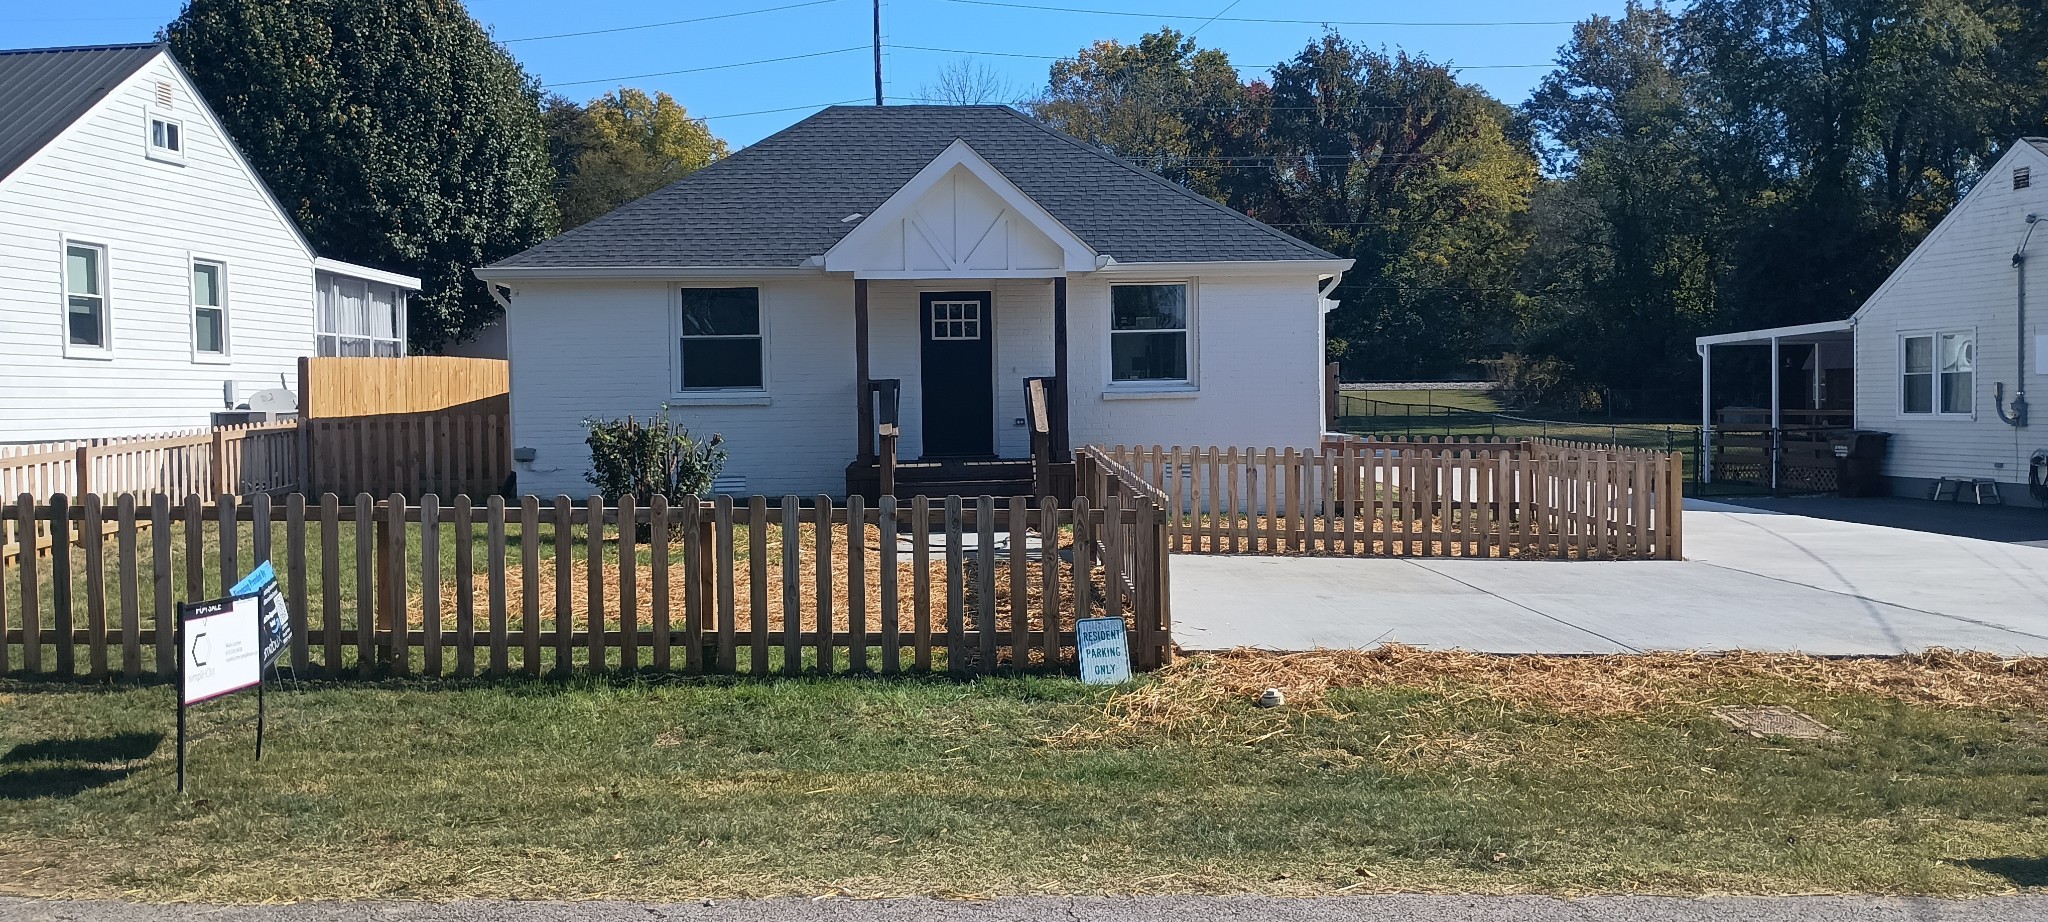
(44, 90)
(2040, 144)
(781, 201)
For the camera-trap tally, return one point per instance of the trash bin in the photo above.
(1859, 463)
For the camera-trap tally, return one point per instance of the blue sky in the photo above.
(827, 41)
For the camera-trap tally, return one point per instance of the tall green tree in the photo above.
(395, 131)
(1623, 264)
(1392, 161)
(1163, 103)
(621, 146)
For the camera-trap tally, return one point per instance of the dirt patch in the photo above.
(1774, 721)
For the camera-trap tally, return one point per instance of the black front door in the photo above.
(958, 352)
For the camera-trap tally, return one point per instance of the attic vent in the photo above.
(729, 485)
(163, 94)
(2022, 177)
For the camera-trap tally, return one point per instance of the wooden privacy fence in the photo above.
(350, 386)
(409, 454)
(1533, 498)
(966, 586)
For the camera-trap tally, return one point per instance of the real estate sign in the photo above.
(1104, 649)
(273, 620)
(221, 651)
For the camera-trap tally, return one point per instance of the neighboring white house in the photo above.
(1949, 352)
(956, 250)
(147, 277)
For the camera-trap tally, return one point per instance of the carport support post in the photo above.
(1706, 414)
(1777, 422)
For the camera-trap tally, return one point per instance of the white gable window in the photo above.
(87, 324)
(1938, 373)
(209, 309)
(359, 318)
(721, 339)
(1148, 333)
(166, 138)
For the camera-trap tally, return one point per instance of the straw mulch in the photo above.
(907, 581)
(1212, 692)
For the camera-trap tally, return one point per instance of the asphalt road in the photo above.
(1399, 908)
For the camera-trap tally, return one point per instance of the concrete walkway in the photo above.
(1754, 580)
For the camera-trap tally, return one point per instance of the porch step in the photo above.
(941, 478)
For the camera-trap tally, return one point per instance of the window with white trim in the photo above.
(721, 342)
(86, 326)
(1938, 373)
(166, 138)
(209, 308)
(1148, 333)
(359, 318)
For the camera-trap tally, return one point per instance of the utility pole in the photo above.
(878, 52)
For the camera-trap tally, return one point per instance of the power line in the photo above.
(672, 22)
(699, 70)
(1061, 57)
(1212, 19)
(1295, 22)
(841, 102)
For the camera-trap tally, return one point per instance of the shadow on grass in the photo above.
(2020, 871)
(83, 764)
(114, 747)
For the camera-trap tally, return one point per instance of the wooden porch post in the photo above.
(864, 416)
(1061, 449)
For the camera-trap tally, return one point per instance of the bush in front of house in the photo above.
(646, 458)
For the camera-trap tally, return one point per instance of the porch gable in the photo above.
(959, 217)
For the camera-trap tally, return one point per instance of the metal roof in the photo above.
(784, 200)
(44, 90)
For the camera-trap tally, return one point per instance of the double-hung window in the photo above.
(721, 339)
(86, 324)
(1938, 373)
(1148, 333)
(209, 309)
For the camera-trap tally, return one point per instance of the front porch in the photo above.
(947, 420)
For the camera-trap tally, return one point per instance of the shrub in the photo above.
(629, 457)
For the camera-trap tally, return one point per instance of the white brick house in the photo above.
(953, 251)
(1948, 354)
(147, 277)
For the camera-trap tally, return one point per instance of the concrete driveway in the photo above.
(1754, 579)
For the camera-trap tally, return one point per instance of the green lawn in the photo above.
(673, 789)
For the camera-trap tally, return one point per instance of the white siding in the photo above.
(606, 348)
(1962, 277)
(96, 184)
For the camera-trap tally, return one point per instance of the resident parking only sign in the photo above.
(1105, 651)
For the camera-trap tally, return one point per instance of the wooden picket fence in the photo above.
(970, 587)
(1526, 498)
(244, 459)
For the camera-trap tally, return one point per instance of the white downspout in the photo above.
(1777, 419)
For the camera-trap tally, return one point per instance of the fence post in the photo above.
(219, 462)
(83, 463)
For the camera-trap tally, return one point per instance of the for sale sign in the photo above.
(272, 619)
(1105, 651)
(222, 651)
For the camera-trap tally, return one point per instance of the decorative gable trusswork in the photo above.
(959, 217)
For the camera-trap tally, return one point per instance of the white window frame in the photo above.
(220, 280)
(1934, 408)
(969, 328)
(150, 118)
(1175, 386)
(728, 396)
(105, 350)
